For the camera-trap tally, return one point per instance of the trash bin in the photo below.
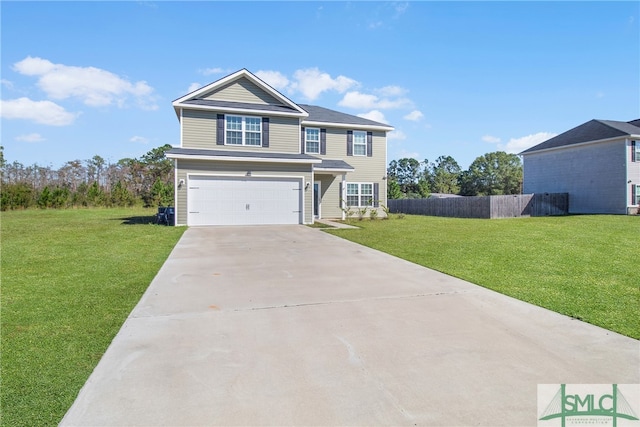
(165, 215)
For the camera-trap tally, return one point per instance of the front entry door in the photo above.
(316, 199)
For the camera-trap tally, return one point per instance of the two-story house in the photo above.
(249, 155)
(597, 163)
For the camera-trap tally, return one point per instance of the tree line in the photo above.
(147, 181)
(493, 173)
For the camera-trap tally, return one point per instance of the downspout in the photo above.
(175, 192)
(627, 174)
(343, 197)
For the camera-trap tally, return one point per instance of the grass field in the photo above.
(583, 266)
(69, 280)
(71, 277)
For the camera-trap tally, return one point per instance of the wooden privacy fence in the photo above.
(539, 204)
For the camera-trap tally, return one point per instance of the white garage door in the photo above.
(215, 200)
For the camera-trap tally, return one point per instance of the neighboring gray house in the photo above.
(249, 155)
(597, 163)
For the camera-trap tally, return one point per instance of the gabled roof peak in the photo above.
(242, 73)
(593, 130)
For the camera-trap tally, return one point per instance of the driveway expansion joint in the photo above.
(393, 297)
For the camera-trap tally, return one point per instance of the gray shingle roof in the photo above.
(325, 115)
(592, 130)
(242, 154)
(333, 164)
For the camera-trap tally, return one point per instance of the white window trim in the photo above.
(360, 184)
(306, 141)
(637, 147)
(244, 130)
(365, 142)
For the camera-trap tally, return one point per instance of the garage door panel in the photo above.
(243, 201)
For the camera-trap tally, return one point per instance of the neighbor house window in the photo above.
(359, 194)
(312, 140)
(637, 200)
(359, 143)
(243, 130)
(636, 146)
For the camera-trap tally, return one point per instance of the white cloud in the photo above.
(311, 82)
(275, 79)
(194, 86)
(414, 116)
(392, 91)
(404, 154)
(93, 86)
(139, 139)
(400, 8)
(30, 137)
(397, 135)
(43, 112)
(374, 115)
(516, 145)
(491, 139)
(209, 71)
(364, 101)
(6, 83)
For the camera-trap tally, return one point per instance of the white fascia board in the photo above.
(580, 144)
(265, 113)
(347, 126)
(332, 170)
(241, 159)
(235, 76)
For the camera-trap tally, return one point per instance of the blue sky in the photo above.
(453, 78)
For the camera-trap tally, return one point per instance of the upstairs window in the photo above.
(312, 140)
(359, 143)
(243, 130)
(635, 153)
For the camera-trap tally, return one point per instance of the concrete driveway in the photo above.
(287, 325)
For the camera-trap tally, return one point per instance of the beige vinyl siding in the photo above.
(284, 134)
(330, 191)
(367, 169)
(199, 131)
(242, 90)
(208, 167)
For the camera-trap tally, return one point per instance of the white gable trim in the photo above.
(254, 112)
(233, 77)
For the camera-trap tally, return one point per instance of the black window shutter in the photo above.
(376, 195)
(349, 143)
(369, 144)
(323, 141)
(220, 130)
(633, 151)
(634, 195)
(341, 196)
(302, 137)
(265, 132)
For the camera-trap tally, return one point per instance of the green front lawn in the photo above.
(583, 266)
(69, 280)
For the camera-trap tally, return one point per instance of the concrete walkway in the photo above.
(288, 325)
